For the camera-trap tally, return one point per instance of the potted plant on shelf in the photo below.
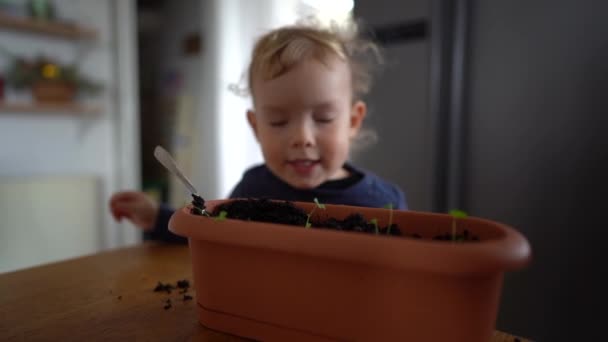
(416, 276)
(49, 81)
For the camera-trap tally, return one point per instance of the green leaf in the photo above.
(389, 206)
(458, 213)
(221, 216)
(374, 221)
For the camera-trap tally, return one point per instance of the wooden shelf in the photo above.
(71, 108)
(57, 29)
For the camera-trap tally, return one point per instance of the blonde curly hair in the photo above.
(282, 49)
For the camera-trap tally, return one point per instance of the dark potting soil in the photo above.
(183, 285)
(160, 287)
(198, 205)
(285, 212)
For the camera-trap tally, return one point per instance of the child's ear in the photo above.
(252, 122)
(357, 115)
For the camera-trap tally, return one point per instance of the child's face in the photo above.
(304, 121)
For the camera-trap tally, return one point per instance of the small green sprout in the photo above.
(389, 206)
(222, 216)
(374, 221)
(317, 205)
(321, 206)
(456, 214)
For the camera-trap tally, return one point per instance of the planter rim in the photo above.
(508, 251)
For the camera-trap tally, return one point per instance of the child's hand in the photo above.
(136, 206)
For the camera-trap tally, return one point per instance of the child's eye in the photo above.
(279, 123)
(324, 120)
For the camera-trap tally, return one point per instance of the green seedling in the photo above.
(390, 217)
(222, 216)
(374, 221)
(317, 205)
(456, 214)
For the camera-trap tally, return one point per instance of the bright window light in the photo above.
(327, 11)
(337, 6)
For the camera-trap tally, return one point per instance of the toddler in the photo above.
(306, 85)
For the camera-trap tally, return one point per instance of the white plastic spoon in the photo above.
(168, 162)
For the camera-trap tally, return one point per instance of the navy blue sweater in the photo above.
(361, 188)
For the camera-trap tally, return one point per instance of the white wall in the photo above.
(38, 228)
(62, 144)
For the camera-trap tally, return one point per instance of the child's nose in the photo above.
(302, 136)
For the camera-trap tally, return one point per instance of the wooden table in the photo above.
(107, 296)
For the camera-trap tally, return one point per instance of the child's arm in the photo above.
(145, 213)
(136, 206)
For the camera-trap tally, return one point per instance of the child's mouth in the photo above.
(303, 167)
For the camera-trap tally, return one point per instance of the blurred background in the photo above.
(495, 107)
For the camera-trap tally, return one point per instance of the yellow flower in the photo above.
(50, 71)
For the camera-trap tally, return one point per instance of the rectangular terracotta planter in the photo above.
(276, 282)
